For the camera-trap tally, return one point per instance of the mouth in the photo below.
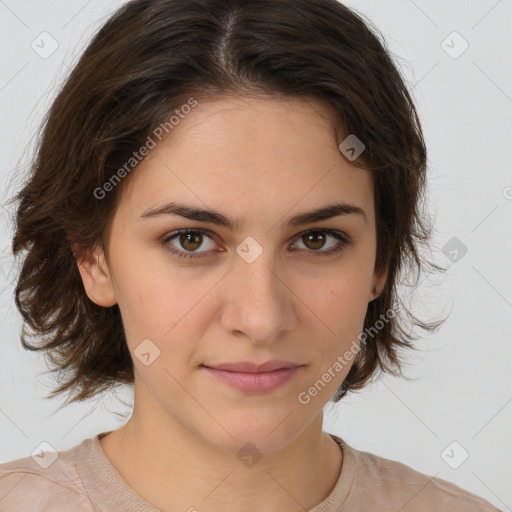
(250, 367)
(254, 378)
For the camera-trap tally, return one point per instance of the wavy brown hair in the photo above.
(145, 62)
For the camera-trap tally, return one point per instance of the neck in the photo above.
(174, 469)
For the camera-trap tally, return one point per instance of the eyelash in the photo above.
(344, 241)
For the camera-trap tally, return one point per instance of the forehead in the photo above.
(249, 152)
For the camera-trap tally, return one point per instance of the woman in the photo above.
(224, 196)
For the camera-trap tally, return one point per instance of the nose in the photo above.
(258, 304)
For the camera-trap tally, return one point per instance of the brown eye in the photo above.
(191, 241)
(185, 243)
(319, 239)
(314, 240)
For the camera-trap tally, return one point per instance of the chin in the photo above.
(267, 432)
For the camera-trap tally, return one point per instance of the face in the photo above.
(257, 282)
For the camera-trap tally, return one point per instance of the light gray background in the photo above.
(462, 387)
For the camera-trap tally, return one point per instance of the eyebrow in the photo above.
(215, 217)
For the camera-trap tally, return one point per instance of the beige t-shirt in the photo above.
(82, 479)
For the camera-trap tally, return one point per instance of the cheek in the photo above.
(143, 301)
(167, 305)
(145, 284)
(338, 315)
(346, 301)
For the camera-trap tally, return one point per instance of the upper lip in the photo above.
(249, 367)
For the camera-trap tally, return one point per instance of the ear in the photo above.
(96, 277)
(378, 283)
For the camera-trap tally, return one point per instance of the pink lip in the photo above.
(249, 367)
(252, 378)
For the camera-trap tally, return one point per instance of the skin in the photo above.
(260, 161)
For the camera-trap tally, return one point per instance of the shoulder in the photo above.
(26, 485)
(401, 487)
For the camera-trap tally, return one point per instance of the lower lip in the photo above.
(262, 382)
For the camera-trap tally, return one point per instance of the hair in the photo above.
(144, 63)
